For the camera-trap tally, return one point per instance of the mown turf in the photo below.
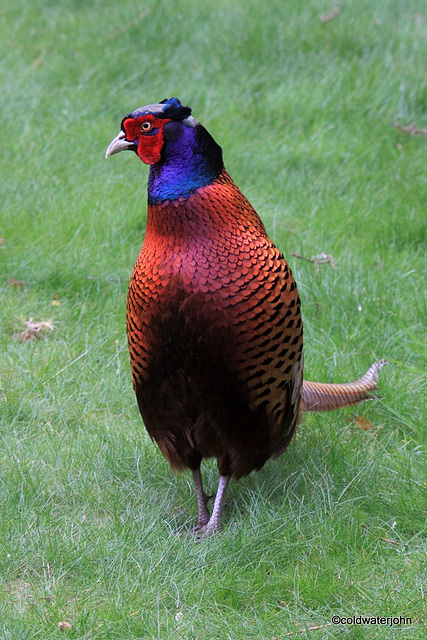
(93, 525)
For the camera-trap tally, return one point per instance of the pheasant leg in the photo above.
(214, 524)
(202, 499)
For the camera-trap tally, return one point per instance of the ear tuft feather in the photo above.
(174, 109)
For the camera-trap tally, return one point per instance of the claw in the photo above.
(201, 533)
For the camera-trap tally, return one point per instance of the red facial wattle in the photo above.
(149, 139)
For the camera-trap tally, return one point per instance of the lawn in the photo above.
(94, 527)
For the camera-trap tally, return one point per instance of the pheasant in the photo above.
(213, 314)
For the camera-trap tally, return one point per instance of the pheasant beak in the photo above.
(119, 144)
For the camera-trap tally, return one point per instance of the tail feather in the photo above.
(317, 396)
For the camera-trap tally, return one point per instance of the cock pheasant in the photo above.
(213, 314)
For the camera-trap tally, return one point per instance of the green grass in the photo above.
(92, 522)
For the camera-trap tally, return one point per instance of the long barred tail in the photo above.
(317, 396)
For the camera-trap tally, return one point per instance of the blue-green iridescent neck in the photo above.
(190, 159)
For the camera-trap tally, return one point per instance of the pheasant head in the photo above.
(182, 154)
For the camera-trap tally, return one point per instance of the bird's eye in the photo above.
(146, 126)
